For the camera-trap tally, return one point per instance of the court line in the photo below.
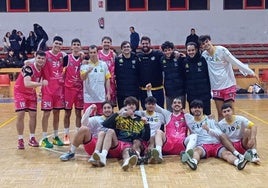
(261, 120)
(143, 175)
(7, 121)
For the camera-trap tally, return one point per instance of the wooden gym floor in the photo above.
(38, 167)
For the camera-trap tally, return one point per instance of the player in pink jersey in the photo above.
(96, 81)
(107, 55)
(173, 140)
(73, 91)
(25, 97)
(53, 93)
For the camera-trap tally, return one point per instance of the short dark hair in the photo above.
(75, 40)
(192, 44)
(93, 46)
(226, 105)
(196, 103)
(150, 100)
(145, 38)
(107, 102)
(167, 45)
(124, 43)
(131, 100)
(58, 38)
(40, 53)
(202, 38)
(106, 37)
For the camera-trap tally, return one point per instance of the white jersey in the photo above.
(94, 84)
(235, 130)
(220, 68)
(155, 120)
(94, 123)
(203, 136)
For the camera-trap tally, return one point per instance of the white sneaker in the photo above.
(255, 158)
(97, 159)
(130, 162)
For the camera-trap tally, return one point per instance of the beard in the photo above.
(145, 49)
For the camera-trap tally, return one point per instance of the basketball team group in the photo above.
(150, 89)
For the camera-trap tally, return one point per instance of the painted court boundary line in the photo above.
(249, 114)
(7, 121)
(143, 175)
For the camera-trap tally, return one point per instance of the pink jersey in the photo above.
(72, 73)
(176, 127)
(35, 75)
(53, 73)
(109, 59)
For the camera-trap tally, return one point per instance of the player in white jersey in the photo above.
(221, 74)
(241, 131)
(96, 77)
(173, 139)
(208, 141)
(90, 132)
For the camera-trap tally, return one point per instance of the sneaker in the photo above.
(185, 157)
(256, 158)
(56, 141)
(157, 156)
(32, 142)
(243, 161)
(66, 140)
(46, 144)
(93, 161)
(67, 156)
(97, 159)
(130, 162)
(20, 144)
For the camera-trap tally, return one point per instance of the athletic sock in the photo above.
(159, 148)
(104, 152)
(73, 148)
(20, 136)
(66, 130)
(44, 135)
(31, 135)
(56, 133)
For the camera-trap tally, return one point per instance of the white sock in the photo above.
(195, 161)
(159, 148)
(73, 148)
(20, 136)
(44, 135)
(236, 153)
(104, 153)
(66, 130)
(56, 133)
(191, 142)
(236, 162)
(31, 135)
(97, 151)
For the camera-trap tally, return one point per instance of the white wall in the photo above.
(224, 26)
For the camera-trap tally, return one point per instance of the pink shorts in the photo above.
(117, 151)
(73, 97)
(25, 101)
(212, 150)
(90, 146)
(50, 102)
(99, 108)
(173, 146)
(239, 147)
(225, 94)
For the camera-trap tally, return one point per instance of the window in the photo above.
(157, 5)
(3, 6)
(38, 6)
(254, 4)
(177, 4)
(244, 4)
(115, 5)
(80, 5)
(17, 5)
(198, 5)
(136, 5)
(59, 5)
